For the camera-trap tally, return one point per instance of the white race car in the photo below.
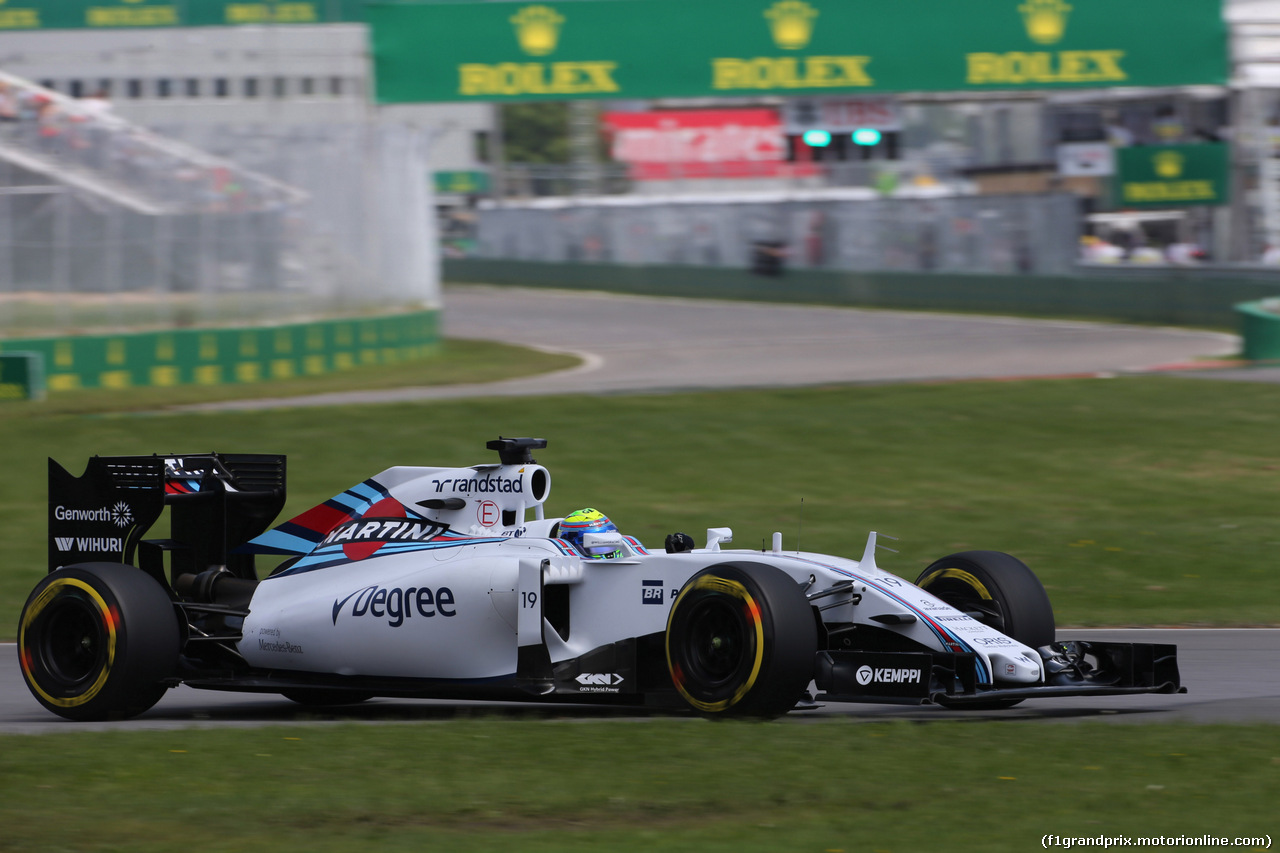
(453, 582)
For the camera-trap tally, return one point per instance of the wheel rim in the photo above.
(715, 638)
(741, 641)
(718, 643)
(72, 645)
(67, 643)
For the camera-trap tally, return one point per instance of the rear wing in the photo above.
(218, 501)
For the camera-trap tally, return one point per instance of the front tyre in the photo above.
(998, 590)
(740, 641)
(96, 641)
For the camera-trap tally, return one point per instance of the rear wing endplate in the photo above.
(218, 501)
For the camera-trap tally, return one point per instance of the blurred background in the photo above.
(214, 161)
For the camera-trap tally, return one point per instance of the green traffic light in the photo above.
(817, 138)
(866, 136)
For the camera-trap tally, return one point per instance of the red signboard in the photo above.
(667, 144)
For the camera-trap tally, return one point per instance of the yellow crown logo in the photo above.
(791, 22)
(1046, 20)
(1168, 164)
(537, 29)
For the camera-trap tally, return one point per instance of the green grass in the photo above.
(684, 785)
(1138, 501)
(457, 362)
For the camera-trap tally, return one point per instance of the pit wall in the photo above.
(1203, 296)
(230, 355)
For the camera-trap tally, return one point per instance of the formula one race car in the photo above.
(453, 582)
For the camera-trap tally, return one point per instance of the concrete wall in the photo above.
(1171, 296)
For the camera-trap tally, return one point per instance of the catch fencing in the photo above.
(107, 225)
(833, 229)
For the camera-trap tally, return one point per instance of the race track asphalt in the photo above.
(632, 344)
(1230, 675)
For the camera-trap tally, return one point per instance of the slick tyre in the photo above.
(96, 641)
(740, 641)
(998, 590)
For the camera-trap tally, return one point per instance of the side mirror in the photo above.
(716, 535)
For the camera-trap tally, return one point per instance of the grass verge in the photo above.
(491, 784)
(456, 362)
(1139, 501)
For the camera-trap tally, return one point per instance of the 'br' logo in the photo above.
(651, 592)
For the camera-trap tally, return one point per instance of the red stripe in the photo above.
(322, 518)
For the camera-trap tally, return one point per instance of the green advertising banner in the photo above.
(468, 182)
(227, 356)
(1172, 175)
(488, 51)
(119, 14)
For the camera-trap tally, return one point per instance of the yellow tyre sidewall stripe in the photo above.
(736, 590)
(960, 575)
(28, 618)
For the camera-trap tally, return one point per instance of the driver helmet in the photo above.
(580, 522)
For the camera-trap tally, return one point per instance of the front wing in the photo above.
(614, 675)
(1073, 669)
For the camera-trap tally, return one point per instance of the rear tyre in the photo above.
(740, 641)
(998, 590)
(96, 641)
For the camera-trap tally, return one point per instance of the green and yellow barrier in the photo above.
(229, 355)
(21, 376)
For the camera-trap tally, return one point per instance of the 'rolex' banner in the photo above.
(1172, 175)
(19, 15)
(456, 51)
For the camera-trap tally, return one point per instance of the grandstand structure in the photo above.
(214, 175)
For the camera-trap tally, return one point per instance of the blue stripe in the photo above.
(945, 635)
(333, 555)
(278, 542)
(290, 537)
(360, 497)
(350, 502)
(370, 491)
